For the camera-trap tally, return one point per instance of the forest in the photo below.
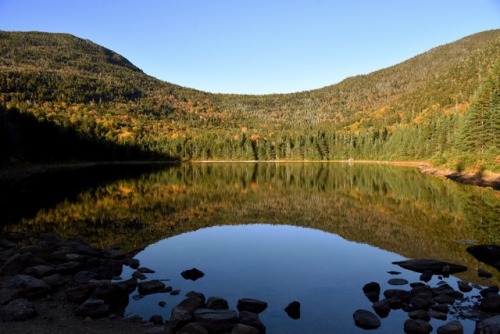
(63, 98)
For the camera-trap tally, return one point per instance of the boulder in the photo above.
(488, 326)
(192, 303)
(17, 310)
(192, 274)
(491, 304)
(431, 266)
(149, 287)
(253, 320)
(251, 305)
(94, 308)
(193, 328)
(179, 318)
(366, 319)
(244, 329)
(293, 310)
(196, 294)
(40, 271)
(489, 254)
(484, 273)
(217, 303)
(382, 308)
(464, 286)
(79, 293)
(452, 327)
(26, 286)
(372, 291)
(413, 326)
(216, 320)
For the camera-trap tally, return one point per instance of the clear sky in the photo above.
(257, 46)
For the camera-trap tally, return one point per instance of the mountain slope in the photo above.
(419, 109)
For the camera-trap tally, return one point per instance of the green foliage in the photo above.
(441, 106)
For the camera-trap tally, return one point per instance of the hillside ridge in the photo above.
(425, 108)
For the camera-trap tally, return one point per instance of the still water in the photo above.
(315, 233)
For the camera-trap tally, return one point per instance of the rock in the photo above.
(79, 293)
(17, 263)
(145, 270)
(138, 275)
(84, 276)
(94, 308)
(244, 329)
(174, 292)
(193, 328)
(217, 303)
(491, 304)
(192, 274)
(192, 303)
(438, 315)
(491, 290)
(196, 294)
(293, 310)
(488, 326)
(422, 291)
(251, 305)
(397, 281)
(419, 314)
(70, 267)
(366, 319)
(443, 308)
(489, 254)
(372, 291)
(134, 263)
(216, 320)
(18, 310)
(149, 287)
(397, 293)
(252, 319)
(426, 277)
(382, 308)
(156, 319)
(29, 287)
(444, 299)
(452, 327)
(464, 286)
(433, 266)
(421, 302)
(56, 280)
(412, 326)
(179, 318)
(484, 273)
(40, 271)
(392, 272)
(162, 303)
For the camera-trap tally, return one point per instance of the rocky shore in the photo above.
(48, 285)
(53, 286)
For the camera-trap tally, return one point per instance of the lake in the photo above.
(311, 232)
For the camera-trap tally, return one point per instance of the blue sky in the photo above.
(258, 46)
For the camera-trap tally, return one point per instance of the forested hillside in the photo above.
(442, 106)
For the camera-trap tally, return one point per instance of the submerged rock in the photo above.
(366, 319)
(431, 266)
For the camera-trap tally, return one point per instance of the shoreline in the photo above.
(487, 179)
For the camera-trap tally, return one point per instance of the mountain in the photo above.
(441, 106)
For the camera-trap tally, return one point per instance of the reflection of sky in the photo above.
(278, 264)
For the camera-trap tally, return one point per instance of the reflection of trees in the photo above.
(397, 209)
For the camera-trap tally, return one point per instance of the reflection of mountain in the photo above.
(397, 209)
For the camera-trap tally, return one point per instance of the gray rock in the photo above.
(192, 303)
(397, 281)
(55, 281)
(29, 287)
(40, 271)
(70, 267)
(432, 266)
(412, 326)
(366, 319)
(491, 303)
(193, 328)
(251, 305)
(382, 308)
(244, 329)
(179, 318)
(94, 308)
(192, 274)
(452, 327)
(216, 320)
(149, 287)
(79, 293)
(464, 286)
(488, 326)
(293, 310)
(17, 310)
(252, 319)
(217, 303)
(443, 308)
